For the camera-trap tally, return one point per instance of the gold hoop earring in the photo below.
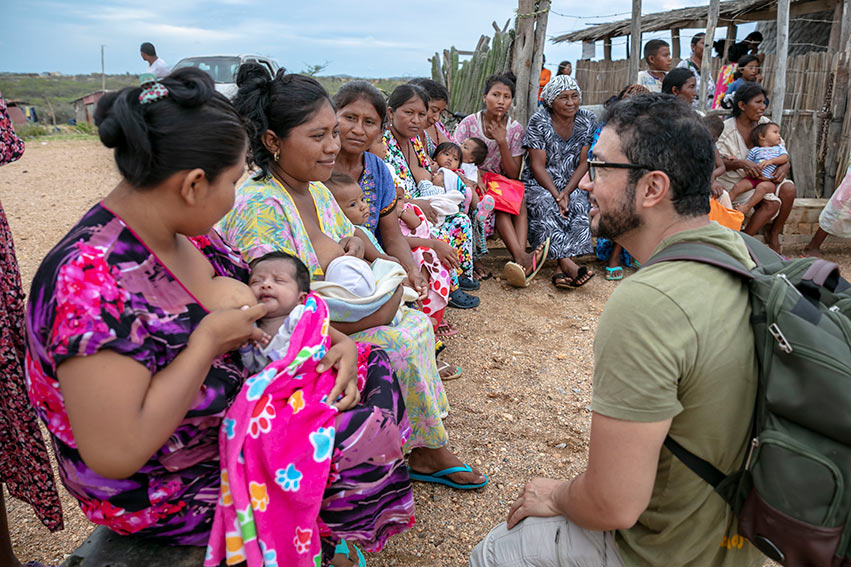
(277, 155)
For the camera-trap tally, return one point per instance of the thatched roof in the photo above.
(739, 11)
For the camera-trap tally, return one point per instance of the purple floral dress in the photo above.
(102, 288)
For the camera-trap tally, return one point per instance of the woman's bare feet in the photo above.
(537, 255)
(428, 461)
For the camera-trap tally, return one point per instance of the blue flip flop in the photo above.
(439, 477)
(343, 549)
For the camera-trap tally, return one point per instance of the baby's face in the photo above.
(448, 159)
(273, 283)
(467, 148)
(771, 137)
(350, 198)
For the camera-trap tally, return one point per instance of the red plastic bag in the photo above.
(507, 193)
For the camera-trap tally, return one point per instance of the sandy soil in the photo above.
(521, 408)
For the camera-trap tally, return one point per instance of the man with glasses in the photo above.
(673, 355)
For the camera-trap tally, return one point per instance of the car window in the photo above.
(221, 69)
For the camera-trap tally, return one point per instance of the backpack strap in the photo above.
(702, 253)
(701, 468)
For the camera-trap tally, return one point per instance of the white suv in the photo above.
(223, 68)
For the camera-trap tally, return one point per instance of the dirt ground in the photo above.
(521, 408)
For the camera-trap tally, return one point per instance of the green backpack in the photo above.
(792, 494)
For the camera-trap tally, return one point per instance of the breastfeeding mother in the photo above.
(293, 143)
(558, 138)
(131, 343)
(504, 138)
(402, 150)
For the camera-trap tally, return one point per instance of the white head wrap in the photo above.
(558, 85)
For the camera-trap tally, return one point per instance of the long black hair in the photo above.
(193, 126)
(278, 104)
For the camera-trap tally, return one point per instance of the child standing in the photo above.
(657, 54)
(767, 152)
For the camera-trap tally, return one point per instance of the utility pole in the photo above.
(635, 41)
(706, 61)
(102, 73)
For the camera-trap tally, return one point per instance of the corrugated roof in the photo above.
(686, 18)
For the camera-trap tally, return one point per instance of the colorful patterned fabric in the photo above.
(101, 289)
(438, 274)
(558, 85)
(277, 449)
(265, 218)
(725, 77)
(11, 146)
(378, 188)
(569, 236)
(457, 232)
(395, 160)
(24, 463)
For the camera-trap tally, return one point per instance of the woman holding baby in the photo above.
(135, 316)
(293, 142)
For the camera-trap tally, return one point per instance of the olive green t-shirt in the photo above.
(674, 342)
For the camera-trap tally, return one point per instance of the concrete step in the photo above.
(106, 548)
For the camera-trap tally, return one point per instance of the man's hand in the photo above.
(537, 499)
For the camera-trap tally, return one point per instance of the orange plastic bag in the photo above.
(507, 193)
(730, 218)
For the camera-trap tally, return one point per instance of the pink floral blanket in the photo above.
(276, 445)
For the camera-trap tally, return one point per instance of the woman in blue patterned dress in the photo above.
(558, 138)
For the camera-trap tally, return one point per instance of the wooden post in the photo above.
(839, 109)
(537, 62)
(779, 94)
(675, 43)
(835, 29)
(845, 34)
(730, 40)
(706, 62)
(635, 41)
(607, 48)
(521, 59)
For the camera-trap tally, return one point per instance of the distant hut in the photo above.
(20, 112)
(84, 107)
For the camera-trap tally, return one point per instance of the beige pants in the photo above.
(546, 542)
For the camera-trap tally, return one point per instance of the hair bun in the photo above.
(252, 75)
(190, 87)
(109, 127)
(510, 76)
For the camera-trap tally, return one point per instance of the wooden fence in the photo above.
(810, 82)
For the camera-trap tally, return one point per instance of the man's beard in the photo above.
(613, 224)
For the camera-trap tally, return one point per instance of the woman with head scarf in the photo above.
(558, 138)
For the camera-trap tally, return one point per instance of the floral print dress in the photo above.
(264, 218)
(101, 289)
(24, 462)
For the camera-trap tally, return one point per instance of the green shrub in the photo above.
(86, 128)
(30, 130)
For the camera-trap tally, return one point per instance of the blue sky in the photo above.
(377, 38)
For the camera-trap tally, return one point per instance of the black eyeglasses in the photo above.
(595, 163)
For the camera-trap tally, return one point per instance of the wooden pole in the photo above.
(102, 72)
(537, 63)
(778, 96)
(845, 34)
(635, 41)
(729, 40)
(706, 62)
(607, 48)
(521, 60)
(833, 41)
(675, 43)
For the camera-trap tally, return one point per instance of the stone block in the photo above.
(106, 548)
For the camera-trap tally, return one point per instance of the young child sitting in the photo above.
(349, 196)
(720, 206)
(427, 252)
(767, 152)
(474, 152)
(448, 157)
(657, 54)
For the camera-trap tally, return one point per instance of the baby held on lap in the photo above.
(457, 169)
